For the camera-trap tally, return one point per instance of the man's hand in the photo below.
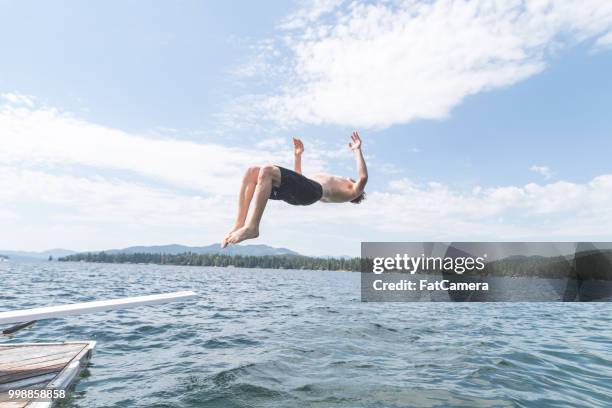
(356, 141)
(298, 147)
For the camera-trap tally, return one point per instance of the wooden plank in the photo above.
(18, 349)
(38, 362)
(39, 365)
(51, 312)
(42, 344)
(10, 360)
(14, 355)
(34, 367)
(33, 382)
(11, 375)
(17, 376)
(13, 404)
(13, 361)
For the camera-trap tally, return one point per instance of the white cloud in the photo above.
(273, 142)
(374, 65)
(99, 199)
(111, 211)
(309, 13)
(18, 99)
(605, 40)
(45, 136)
(554, 211)
(544, 171)
(68, 182)
(409, 211)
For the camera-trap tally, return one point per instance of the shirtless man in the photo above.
(277, 183)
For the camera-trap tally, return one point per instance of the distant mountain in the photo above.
(35, 256)
(172, 249)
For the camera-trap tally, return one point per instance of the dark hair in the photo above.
(359, 198)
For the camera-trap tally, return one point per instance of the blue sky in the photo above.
(128, 124)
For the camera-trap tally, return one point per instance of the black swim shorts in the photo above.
(296, 189)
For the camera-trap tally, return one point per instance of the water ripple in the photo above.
(261, 338)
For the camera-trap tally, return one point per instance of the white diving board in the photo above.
(51, 312)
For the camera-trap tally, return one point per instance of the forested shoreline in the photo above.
(593, 265)
(220, 260)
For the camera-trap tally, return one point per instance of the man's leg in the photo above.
(245, 195)
(269, 176)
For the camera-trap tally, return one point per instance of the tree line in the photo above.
(239, 261)
(585, 265)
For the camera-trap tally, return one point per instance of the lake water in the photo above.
(268, 338)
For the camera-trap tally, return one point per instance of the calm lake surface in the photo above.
(267, 338)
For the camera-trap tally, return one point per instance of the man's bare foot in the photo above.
(224, 241)
(242, 234)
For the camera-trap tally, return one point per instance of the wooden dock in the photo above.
(40, 366)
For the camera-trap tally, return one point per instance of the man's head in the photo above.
(359, 198)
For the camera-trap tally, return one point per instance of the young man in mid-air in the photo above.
(278, 183)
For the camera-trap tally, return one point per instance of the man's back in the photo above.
(336, 189)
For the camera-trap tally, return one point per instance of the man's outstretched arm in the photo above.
(362, 169)
(298, 149)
